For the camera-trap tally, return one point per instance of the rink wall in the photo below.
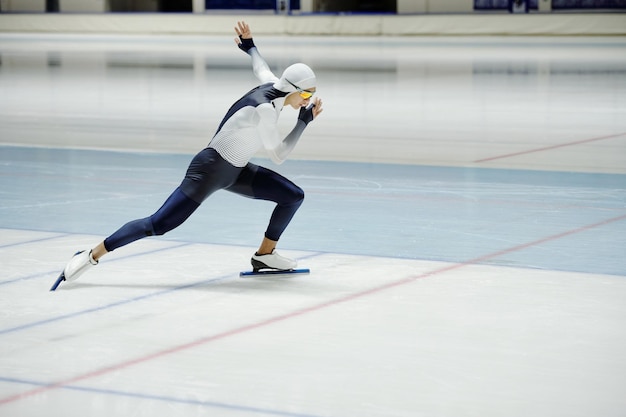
(560, 24)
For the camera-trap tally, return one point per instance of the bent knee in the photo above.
(300, 194)
(297, 196)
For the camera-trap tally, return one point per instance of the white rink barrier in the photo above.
(558, 24)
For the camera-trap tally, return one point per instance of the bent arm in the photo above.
(282, 151)
(277, 148)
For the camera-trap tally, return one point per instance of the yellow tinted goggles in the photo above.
(305, 94)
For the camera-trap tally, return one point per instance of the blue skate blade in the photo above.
(274, 272)
(58, 281)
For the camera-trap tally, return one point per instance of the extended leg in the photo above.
(176, 209)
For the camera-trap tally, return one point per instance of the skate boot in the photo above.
(81, 262)
(272, 261)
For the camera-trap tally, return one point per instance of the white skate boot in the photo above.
(81, 262)
(272, 261)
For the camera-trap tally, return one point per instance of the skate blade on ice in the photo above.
(58, 281)
(274, 272)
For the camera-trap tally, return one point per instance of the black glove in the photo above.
(246, 44)
(306, 114)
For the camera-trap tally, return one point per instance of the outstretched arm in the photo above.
(259, 66)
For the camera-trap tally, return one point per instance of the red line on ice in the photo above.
(562, 145)
(297, 313)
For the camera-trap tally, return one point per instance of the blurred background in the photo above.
(310, 6)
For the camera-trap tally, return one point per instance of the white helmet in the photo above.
(296, 75)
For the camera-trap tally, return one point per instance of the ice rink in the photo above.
(464, 223)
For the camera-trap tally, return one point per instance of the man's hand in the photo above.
(307, 114)
(244, 37)
(243, 31)
(317, 107)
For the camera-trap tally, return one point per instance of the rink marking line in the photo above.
(547, 148)
(127, 300)
(120, 302)
(297, 313)
(111, 305)
(57, 271)
(163, 398)
(37, 240)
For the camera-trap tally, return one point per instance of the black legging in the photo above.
(207, 173)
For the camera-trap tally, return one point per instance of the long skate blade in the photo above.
(274, 272)
(58, 281)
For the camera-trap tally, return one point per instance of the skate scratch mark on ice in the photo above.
(562, 145)
(350, 183)
(297, 313)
